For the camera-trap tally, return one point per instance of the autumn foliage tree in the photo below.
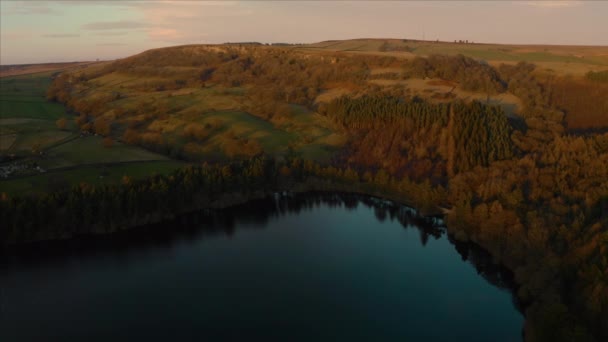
(102, 126)
(107, 142)
(61, 123)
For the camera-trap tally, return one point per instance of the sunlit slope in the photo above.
(219, 102)
(38, 154)
(562, 59)
(194, 103)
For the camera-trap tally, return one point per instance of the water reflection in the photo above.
(336, 271)
(256, 214)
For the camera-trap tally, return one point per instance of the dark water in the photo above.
(331, 268)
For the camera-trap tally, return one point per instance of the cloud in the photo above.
(114, 25)
(164, 34)
(28, 8)
(182, 21)
(111, 33)
(16, 34)
(111, 44)
(553, 3)
(60, 35)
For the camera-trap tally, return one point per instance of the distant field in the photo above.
(575, 60)
(28, 131)
(27, 115)
(23, 69)
(89, 150)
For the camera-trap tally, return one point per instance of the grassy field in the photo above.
(89, 150)
(566, 60)
(27, 116)
(30, 137)
(26, 69)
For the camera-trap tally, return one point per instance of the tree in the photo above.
(107, 142)
(81, 120)
(61, 123)
(130, 136)
(196, 131)
(102, 126)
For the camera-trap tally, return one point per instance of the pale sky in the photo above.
(78, 30)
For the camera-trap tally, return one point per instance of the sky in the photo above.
(82, 30)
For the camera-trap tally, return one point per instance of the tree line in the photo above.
(95, 209)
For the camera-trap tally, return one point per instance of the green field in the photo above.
(26, 114)
(89, 150)
(30, 136)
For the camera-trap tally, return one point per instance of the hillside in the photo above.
(558, 59)
(42, 150)
(226, 101)
(510, 140)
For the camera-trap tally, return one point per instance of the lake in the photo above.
(316, 267)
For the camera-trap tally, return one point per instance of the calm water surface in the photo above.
(331, 268)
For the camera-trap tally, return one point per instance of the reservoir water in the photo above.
(293, 267)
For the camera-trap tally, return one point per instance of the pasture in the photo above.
(36, 155)
(89, 150)
(26, 116)
(25, 69)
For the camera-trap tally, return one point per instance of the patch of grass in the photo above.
(243, 125)
(28, 121)
(24, 97)
(319, 152)
(35, 110)
(89, 150)
(549, 57)
(36, 69)
(497, 54)
(33, 85)
(38, 140)
(115, 79)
